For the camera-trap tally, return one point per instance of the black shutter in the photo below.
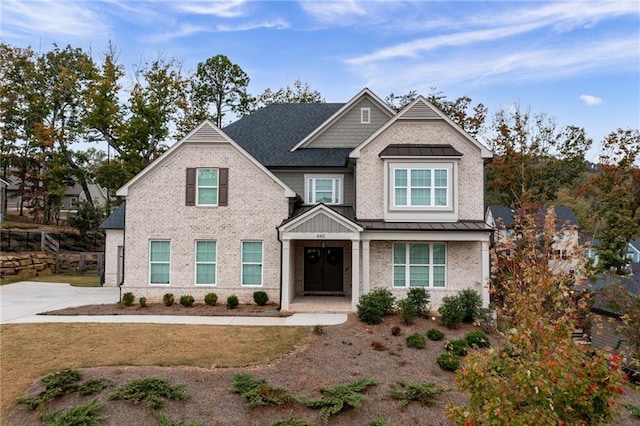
(191, 187)
(223, 185)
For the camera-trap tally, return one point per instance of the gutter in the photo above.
(281, 259)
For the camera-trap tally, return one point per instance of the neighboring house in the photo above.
(3, 198)
(309, 199)
(633, 250)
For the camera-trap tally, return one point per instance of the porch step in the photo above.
(324, 304)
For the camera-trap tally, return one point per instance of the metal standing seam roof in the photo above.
(424, 150)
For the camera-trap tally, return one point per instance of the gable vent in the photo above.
(206, 134)
(419, 110)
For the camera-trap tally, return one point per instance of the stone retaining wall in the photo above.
(27, 265)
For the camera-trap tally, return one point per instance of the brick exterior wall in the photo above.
(156, 210)
(113, 239)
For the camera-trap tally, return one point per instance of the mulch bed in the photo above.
(198, 309)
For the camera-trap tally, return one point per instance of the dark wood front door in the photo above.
(323, 269)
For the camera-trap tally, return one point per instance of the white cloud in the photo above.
(183, 30)
(219, 8)
(333, 11)
(590, 100)
(278, 24)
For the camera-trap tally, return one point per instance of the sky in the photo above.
(576, 61)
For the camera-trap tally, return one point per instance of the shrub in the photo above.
(85, 414)
(187, 300)
(168, 299)
(128, 299)
(416, 340)
(375, 305)
(143, 302)
(55, 385)
(165, 421)
(396, 330)
(457, 347)
(452, 311)
(261, 298)
(472, 303)
(258, 392)
(153, 389)
(420, 298)
(448, 361)
(407, 392)
(381, 421)
(93, 386)
(232, 302)
(211, 299)
(339, 398)
(477, 339)
(291, 421)
(435, 334)
(318, 330)
(378, 345)
(407, 311)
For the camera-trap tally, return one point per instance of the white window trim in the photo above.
(365, 115)
(150, 263)
(407, 264)
(198, 186)
(242, 263)
(307, 183)
(196, 263)
(432, 188)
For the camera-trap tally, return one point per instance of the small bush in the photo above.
(291, 421)
(153, 389)
(55, 385)
(435, 334)
(407, 311)
(416, 340)
(128, 299)
(85, 415)
(261, 298)
(318, 330)
(472, 303)
(258, 392)
(232, 302)
(143, 302)
(211, 299)
(93, 386)
(165, 421)
(423, 392)
(448, 361)
(378, 345)
(452, 311)
(372, 307)
(420, 298)
(381, 421)
(168, 299)
(477, 339)
(396, 330)
(187, 300)
(634, 410)
(457, 347)
(339, 398)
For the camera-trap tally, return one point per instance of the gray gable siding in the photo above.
(348, 131)
(320, 223)
(295, 181)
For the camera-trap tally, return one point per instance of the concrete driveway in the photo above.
(22, 302)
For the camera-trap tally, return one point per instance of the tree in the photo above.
(300, 93)
(541, 375)
(533, 158)
(220, 84)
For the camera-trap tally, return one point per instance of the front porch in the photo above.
(323, 304)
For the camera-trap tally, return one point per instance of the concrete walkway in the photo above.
(22, 302)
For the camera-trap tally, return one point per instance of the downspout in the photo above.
(124, 250)
(281, 259)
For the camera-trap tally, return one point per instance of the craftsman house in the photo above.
(308, 202)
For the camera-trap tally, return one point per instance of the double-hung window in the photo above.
(206, 262)
(159, 262)
(419, 265)
(418, 187)
(252, 263)
(207, 187)
(323, 189)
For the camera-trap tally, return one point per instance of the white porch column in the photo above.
(355, 273)
(486, 273)
(285, 296)
(366, 286)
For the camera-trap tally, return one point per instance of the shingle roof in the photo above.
(115, 219)
(269, 133)
(631, 283)
(564, 215)
(424, 150)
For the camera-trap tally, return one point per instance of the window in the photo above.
(419, 265)
(207, 187)
(414, 187)
(252, 263)
(365, 115)
(323, 189)
(205, 262)
(159, 262)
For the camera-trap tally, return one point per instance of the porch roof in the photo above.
(463, 225)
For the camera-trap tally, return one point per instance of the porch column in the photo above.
(355, 273)
(285, 297)
(486, 273)
(366, 286)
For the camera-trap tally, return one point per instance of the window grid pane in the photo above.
(159, 262)
(207, 186)
(252, 263)
(420, 187)
(419, 265)
(205, 262)
(324, 190)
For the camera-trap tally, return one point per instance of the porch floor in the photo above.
(325, 304)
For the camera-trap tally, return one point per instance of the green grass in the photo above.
(72, 279)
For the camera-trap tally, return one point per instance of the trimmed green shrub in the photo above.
(85, 415)
(372, 307)
(187, 300)
(416, 340)
(407, 311)
(477, 339)
(423, 392)
(261, 298)
(448, 361)
(232, 302)
(452, 311)
(168, 299)
(143, 302)
(457, 347)
(153, 389)
(472, 303)
(128, 299)
(258, 392)
(435, 334)
(420, 298)
(211, 299)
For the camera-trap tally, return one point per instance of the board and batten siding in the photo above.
(295, 181)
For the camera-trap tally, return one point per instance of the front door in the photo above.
(323, 269)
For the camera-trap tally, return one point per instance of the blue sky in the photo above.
(576, 61)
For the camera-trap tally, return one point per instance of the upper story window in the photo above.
(207, 187)
(365, 115)
(420, 187)
(323, 189)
